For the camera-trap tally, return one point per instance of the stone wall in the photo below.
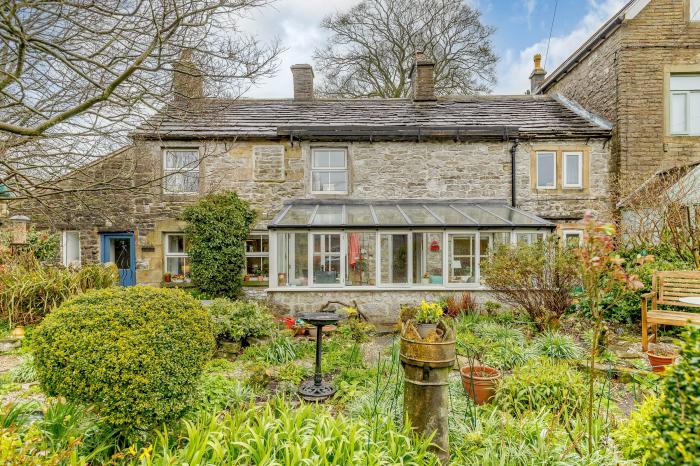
(268, 172)
(379, 306)
(623, 79)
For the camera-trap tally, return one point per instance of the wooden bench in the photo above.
(666, 289)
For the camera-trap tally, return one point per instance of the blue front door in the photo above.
(119, 249)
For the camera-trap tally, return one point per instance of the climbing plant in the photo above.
(216, 230)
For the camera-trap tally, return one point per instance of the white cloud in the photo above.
(530, 8)
(515, 67)
(296, 23)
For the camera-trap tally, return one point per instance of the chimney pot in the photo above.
(303, 76)
(422, 78)
(188, 80)
(538, 75)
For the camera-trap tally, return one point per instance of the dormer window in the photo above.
(329, 171)
(695, 10)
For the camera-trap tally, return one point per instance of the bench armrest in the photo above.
(648, 296)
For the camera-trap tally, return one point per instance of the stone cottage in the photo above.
(377, 201)
(641, 71)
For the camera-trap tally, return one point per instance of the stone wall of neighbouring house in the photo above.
(380, 170)
(593, 83)
(379, 306)
(627, 72)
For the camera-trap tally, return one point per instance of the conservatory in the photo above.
(407, 244)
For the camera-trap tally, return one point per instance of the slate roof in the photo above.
(524, 116)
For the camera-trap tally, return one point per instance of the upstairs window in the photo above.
(181, 171)
(546, 170)
(685, 104)
(573, 170)
(695, 10)
(329, 171)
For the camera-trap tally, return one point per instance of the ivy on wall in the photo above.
(217, 228)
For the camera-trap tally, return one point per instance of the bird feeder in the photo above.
(18, 227)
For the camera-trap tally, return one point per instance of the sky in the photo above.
(522, 29)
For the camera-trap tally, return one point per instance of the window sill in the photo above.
(256, 283)
(469, 287)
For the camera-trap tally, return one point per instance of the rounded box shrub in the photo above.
(136, 353)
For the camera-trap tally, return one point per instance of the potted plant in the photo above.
(427, 317)
(479, 382)
(426, 278)
(659, 359)
(167, 277)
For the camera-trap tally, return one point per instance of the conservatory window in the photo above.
(257, 255)
(546, 170)
(685, 104)
(176, 259)
(329, 171)
(292, 259)
(461, 258)
(427, 258)
(71, 248)
(181, 171)
(695, 10)
(529, 238)
(361, 264)
(326, 258)
(394, 259)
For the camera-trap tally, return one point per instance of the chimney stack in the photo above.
(538, 75)
(303, 76)
(422, 78)
(188, 80)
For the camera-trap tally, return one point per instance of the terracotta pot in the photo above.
(313, 331)
(658, 362)
(480, 382)
(425, 329)
(18, 332)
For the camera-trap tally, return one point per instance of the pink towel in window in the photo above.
(353, 249)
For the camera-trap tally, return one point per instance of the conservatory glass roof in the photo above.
(312, 213)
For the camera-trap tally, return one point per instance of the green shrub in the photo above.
(543, 384)
(136, 353)
(538, 278)
(506, 355)
(556, 346)
(239, 320)
(669, 427)
(217, 392)
(495, 332)
(217, 228)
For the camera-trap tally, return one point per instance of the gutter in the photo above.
(513, 150)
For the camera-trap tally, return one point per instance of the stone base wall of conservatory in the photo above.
(380, 306)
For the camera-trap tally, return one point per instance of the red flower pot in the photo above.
(659, 362)
(480, 382)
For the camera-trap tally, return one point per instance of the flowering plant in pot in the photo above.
(660, 358)
(428, 315)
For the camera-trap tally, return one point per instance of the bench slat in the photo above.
(673, 318)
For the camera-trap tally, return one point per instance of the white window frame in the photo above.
(323, 253)
(170, 171)
(64, 242)
(475, 284)
(554, 169)
(166, 254)
(694, 8)
(688, 107)
(565, 233)
(565, 156)
(344, 169)
(261, 254)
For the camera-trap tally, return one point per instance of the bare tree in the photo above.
(370, 48)
(77, 75)
(666, 208)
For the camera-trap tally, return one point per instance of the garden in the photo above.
(550, 372)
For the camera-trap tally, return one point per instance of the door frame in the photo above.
(104, 254)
